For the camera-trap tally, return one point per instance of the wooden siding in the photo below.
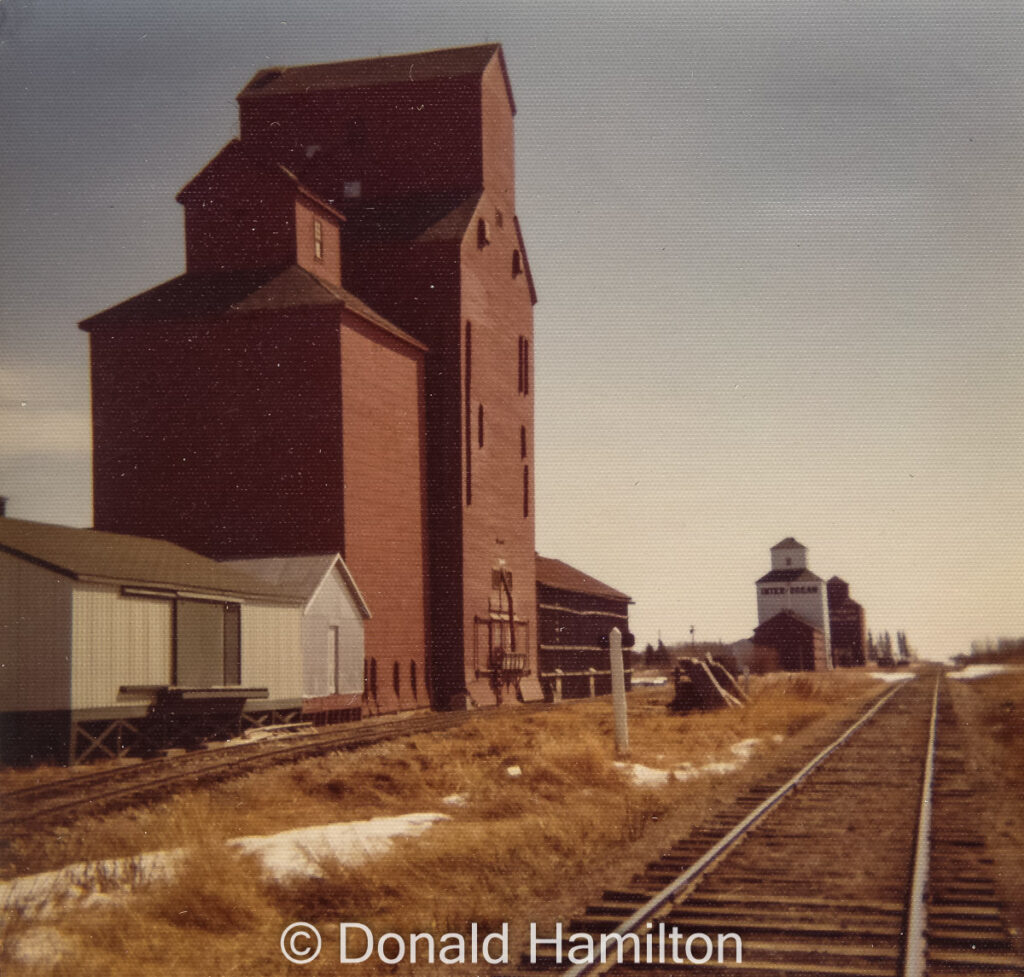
(495, 524)
(418, 289)
(497, 138)
(574, 636)
(413, 137)
(795, 644)
(328, 265)
(242, 220)
(385, 502)
(118, 640)
(126, 640)
(177, 453)
(272, 650)
(35, 637)
(847, 625)
(806, 598)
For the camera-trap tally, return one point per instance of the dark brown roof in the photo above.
(789, 544)
(423, 218)
(794, 573)
(420, 218)
(395, 69)
(561, 576)
(786, 617)
(838, 589)
(230, 293)
(236, 158)
(88, 554)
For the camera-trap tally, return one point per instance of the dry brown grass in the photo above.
(991, 713)
(520, 849)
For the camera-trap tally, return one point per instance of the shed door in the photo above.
(206, 644)
(334, 664)
(232, 644)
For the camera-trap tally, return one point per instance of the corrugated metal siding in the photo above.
(118, 641)
(272, 649)
(35, 637)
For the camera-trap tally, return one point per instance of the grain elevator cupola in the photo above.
(788, 555)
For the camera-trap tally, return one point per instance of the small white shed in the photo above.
(332, 629)
(111, 642)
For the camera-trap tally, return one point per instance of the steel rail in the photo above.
(149, 776)
(136, 769)
(142, 779)
(914, 952)
(667, 894)
(239, 751)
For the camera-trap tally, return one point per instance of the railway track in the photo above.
(76, 794)
(865, 863)
(103, 790)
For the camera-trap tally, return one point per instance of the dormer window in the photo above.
(318, 239)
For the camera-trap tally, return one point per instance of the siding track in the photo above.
(823, 876)
(72, 796)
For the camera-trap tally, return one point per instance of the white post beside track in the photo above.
(618, 693)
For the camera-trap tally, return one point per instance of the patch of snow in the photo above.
(303, 852)
(455, 800)
(981, 671)
(744, 748)
(648, 680)
(722, 767)
(651, 777)
(514, 771)
(40, 946)
(687, 771)
(33, 895)
(777, 738)
(645, 776)
(892, 676)
(289, 854)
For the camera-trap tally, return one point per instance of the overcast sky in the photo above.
(779, 251)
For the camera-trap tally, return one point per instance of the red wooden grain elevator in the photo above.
(347, 363)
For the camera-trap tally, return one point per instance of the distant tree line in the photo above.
(992, 651)
(665, 656)
(880, 650)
